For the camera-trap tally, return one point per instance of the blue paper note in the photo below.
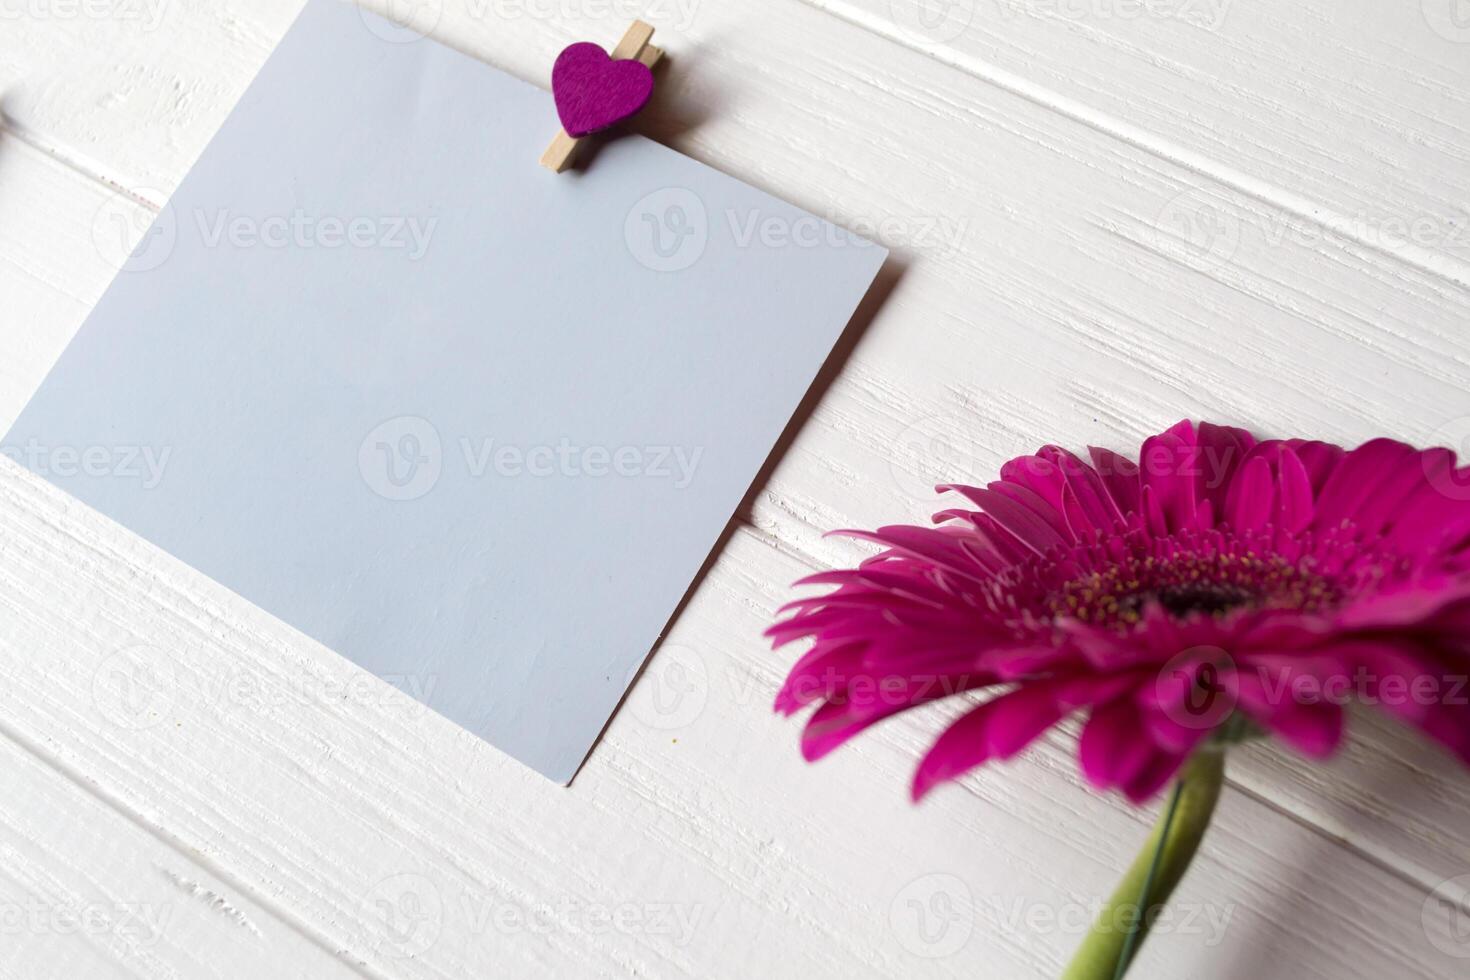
(471, 424)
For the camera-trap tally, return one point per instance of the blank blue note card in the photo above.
(464, 421)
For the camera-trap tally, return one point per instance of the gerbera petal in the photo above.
(1300, 715)
(1389, 496)
(1038, 473)
(1175, 732)
(929, 544)
(1436, 515)
(997, 729)
(1036, 504)
(1356, 479)
(1183, 429)
(1252, 497)
(1095, 506)
(1171, 470)
(1153, 777)
(1018, 520)
(1295, 506)
(1110, 750)
(1319, 459)
(1222, 451)
(837, 721)
(1119, 477)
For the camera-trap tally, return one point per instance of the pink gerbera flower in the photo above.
(1218, 584)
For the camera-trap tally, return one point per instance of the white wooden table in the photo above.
(1106, 215)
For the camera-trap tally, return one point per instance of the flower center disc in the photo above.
(1190, 584)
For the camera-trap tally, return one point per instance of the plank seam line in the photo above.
(305, 929)
(1405, 875)
(73, 163)
(1423, 258)
(1372, 858)
(1420, 257)
(286, 916)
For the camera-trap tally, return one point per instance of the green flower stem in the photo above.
(1120, 930)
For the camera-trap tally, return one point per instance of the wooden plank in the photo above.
(697, 828)
(85, 891)
(1350, 115)
(1113, 297)
(1040, 297)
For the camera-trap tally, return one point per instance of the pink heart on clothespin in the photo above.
(594, 92)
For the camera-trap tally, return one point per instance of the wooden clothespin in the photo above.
(633, 47)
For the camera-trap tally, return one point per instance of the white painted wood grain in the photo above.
(88, 891)
(323, 805)
(1351, 114)
(1046, 289)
